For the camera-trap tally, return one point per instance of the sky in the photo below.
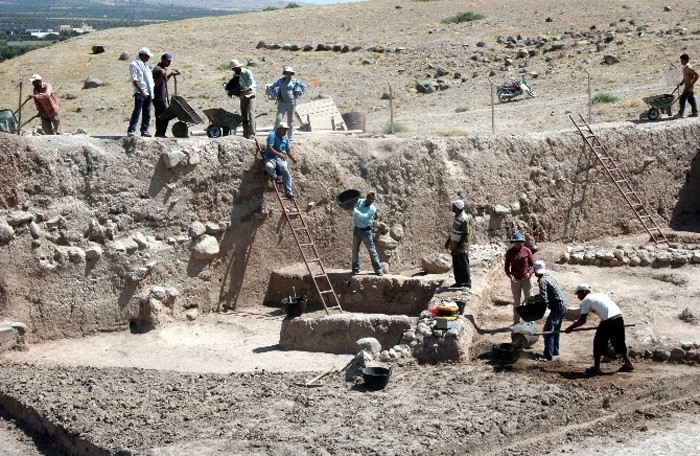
(326, 2)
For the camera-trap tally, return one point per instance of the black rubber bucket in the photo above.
(533, 310)
(506, 354)
(348, 198)
(376, 378)
(294, 307)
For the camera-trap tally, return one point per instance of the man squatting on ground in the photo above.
(611, 328)
(275, 157)
(161, 74)
(46, 105)
(518, 266)
(286, 90)
(690, 77)
(458, 245)
(142, 81)
(551, 294)
(362, 218)
(246, 97)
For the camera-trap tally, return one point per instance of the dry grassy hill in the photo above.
(645, 38)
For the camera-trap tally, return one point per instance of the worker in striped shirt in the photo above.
(551, 294)
(45, 101)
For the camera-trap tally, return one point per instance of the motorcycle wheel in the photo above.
(532, 92)
(504, 97)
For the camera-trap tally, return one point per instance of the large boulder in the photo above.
(437, 263)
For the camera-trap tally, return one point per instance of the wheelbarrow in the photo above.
(659, 104)
(222, 122)
(180, 109)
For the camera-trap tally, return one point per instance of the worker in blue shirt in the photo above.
(362, 219)
(276, 153)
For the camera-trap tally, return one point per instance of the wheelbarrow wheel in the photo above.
(653, 114)
(214, 131)
(180, 130)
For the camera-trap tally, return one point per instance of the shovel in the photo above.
(312, 382)
(547, 333)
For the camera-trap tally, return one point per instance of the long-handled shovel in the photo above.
(547, 333)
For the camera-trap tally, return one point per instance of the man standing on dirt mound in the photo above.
(142, 82)
(458, 245)
(286, 90)
(518, 267)
(45, 101)
(275, 157)
(690, 77)
(161, 74)
(551, 294)
(362, 219)
(611, 328)
(246, 96)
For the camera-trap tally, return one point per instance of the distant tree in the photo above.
(270, 8)
(292, 5)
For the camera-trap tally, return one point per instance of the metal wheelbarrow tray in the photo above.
(221, 122)
(180, 109)
(659, 104)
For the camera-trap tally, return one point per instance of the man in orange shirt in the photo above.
(45, 101)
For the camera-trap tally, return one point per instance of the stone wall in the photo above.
(88, 227)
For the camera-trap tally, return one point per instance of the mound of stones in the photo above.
(685, 353)
(324, 47)
(645, 256)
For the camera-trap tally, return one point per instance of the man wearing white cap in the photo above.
(550, 294)
(458, 245)
(611, 328)
(46, 105)
(142, 82)
(246, 96)
(286, 90)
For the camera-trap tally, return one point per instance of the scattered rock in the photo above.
(19, 217)
(688, 316)
(98, 49)
(124, 56)
(6, 233)
(206, 249)
(610, 59)
(93, 253)
(370, 345)
(91, 83)
(196, 229)
(173, 158)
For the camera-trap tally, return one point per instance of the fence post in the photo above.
(493, 108)
(590, 95)
(391, 109)
(19, 109)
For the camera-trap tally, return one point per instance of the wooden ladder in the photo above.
(302, 237)
(619, 180)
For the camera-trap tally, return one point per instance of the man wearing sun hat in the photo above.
(611, 328)
(46, 105)
(275, 156)
(246, 96)
(143, 85)
(161, 73)
(551, 294)
(458, 245)
(518, 266)
(286, 90)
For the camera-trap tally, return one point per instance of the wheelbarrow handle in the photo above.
(547, 333)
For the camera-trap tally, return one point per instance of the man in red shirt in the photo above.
(519, 268)
(45, 101)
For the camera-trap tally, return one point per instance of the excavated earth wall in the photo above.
(94, 229)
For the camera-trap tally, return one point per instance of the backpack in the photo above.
(233, 87)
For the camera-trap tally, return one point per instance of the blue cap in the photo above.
(517, 237)
(167, 56)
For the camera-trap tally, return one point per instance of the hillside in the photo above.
(409, 44)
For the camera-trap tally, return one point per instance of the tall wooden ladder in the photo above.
(619, 180)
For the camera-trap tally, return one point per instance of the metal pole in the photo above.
(19, 109)
(391, 109)
(590, 95)
(493, 108)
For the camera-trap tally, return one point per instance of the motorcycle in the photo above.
(507, 92)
